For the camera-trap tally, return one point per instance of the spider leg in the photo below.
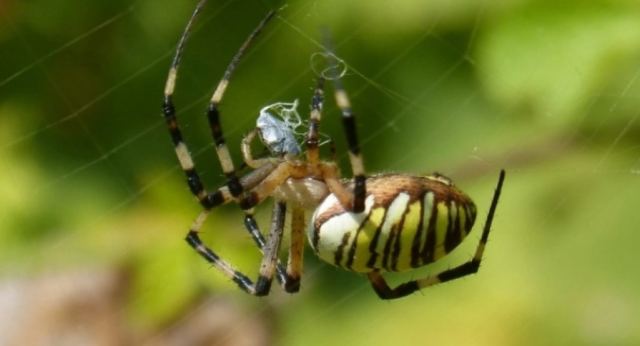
(312, 141)
(267, 186)
(247, 154)
(296, 251)
(270, 263)
(259, 185)
(207, 200)
(355, 157)
(349, 125)
(331, 176)
(234, 186)
(268, 266)
(252, 226)
(213, 115)
(247, 199)
(470, 267)
(249, 181)
(328, 170)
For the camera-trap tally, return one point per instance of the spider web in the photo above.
(106, 155)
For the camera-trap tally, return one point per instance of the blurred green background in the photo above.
(89, 183)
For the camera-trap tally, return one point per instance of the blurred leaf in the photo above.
(549, 60)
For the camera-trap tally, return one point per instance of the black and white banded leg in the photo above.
(268, 266)
(213, 116)
(234, 187)
(313, 137)
(206, 199)
(471, 267)
(349, 125)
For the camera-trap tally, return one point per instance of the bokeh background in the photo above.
(94, 208)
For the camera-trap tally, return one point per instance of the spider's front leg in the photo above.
(235, 186)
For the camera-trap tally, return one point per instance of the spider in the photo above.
(370, 225)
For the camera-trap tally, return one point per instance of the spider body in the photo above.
(307, 193)
(391, 222)
(408, 221)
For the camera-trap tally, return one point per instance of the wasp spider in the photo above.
(370, 225)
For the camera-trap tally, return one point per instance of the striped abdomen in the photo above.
(408, 222)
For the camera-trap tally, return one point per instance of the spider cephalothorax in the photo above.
(391, 222)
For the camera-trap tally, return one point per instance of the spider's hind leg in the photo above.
(470, 267)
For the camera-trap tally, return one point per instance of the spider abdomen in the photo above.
(408, 222)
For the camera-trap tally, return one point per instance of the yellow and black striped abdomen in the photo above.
(408, 222)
